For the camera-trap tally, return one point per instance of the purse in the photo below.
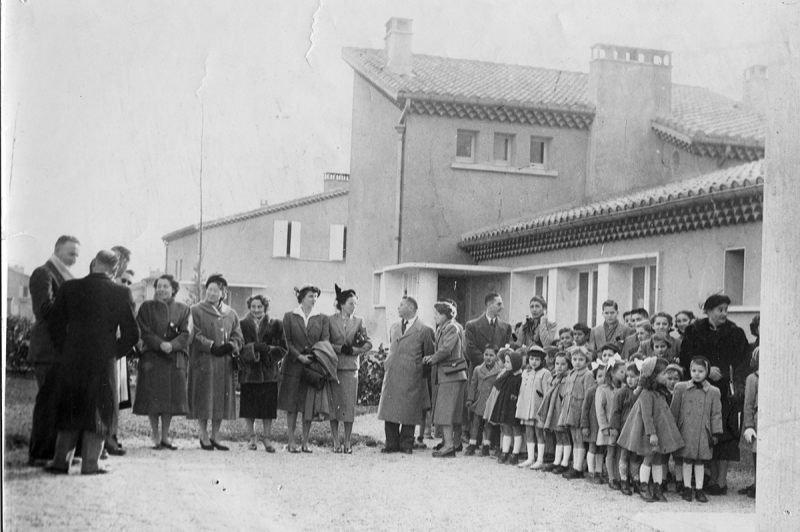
(359, 340)
(455, 367)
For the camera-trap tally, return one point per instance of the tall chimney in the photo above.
(397, 49)
(755, 89)
(628, 87)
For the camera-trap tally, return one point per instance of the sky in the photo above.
(115, 112)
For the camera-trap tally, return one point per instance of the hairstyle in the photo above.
(715, 301)
(579, 349)
(539, 299)
(536, 352)
(610, 303)
(612, 347)
(411, 301)
(550, 350)
(661, 315)
(105, 258)
(503, 353)
(688, 313)
(649, 382)
(675, 368)
(610, 370)
(259, 297)
(626, 314)
(582, 327)
(636, 356)
(646, 326)
(342, 296)
(123, 252)
(516, 360)
(754, 358)
(445, 308)
(303, 291)
(755, 323)
(598, 368)
(490, 297)
(661, 337)
(217, 279)
(631, 367)
(64, 239)
(641, 312)
(491, 348)
(565, 356)
(176, 286)
(564, 330)
(701, 361)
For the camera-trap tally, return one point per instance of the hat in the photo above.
(648, 366)
(343, 295)
(536, 351)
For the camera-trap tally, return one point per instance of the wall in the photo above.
(441, 203)
(690, 165)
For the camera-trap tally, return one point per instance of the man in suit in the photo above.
(83, 325)
(488, 329)
(44, 283)
(611, 331)
(631, 344)
(404, 396)
(536, 329)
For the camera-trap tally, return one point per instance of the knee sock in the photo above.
(687, 475)
(577, 460)
(658, 474)
(539, 453)
(612, 473)
(567, 453)
(473, 442)
(635, 468)
(487, 443)
(559, 454)
(590, 461)
(517, 444)
(506, 443)
(599, 459)
(699, 472)
(644, 473)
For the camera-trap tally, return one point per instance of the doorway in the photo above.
(457, 289)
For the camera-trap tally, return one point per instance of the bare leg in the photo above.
(153, 418)
(348, 432)
(166, 419)
(215, 425)
(335, 434)
(202, 425)
(266, 424)
(251, 433)
(447, 434)
(722, 473)
(291, 422)
(306, 432)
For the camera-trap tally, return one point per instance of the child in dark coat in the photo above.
(505, 408)
(477, 394)
(624, 399)
(550, 410)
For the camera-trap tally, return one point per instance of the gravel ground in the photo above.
(190, 489)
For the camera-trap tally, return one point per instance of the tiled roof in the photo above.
(701, 121)
(262, 211)
(724, 197)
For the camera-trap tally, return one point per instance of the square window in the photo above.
(503, 148)
(539, 151)
(465, 146)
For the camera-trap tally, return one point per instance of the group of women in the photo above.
(189, 357)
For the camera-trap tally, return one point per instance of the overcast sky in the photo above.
(105, 102)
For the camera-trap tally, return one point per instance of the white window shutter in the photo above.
(279, 238)
(337, 242)
(294, 249)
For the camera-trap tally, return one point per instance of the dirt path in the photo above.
(245, 490)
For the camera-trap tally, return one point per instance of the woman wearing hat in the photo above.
(264, 347)
(725, 346)
(217, 339)
(349, 339)
(304, 326)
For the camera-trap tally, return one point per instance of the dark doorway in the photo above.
(457, 289)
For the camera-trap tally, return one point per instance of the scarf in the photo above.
(62, 268)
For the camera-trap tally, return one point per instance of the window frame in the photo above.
(473, 145)
(510, 149)
(545, 141)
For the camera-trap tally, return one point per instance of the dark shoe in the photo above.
(438, 446)
(503, 458)
(679, 488)
(658, 494)
(445, 453)
(293, 450)
(389, 450)
(347, 450)
(419, 439)
(419, 445)
(636, 487)
(338, 450)
(716, 490)
(158, 447)
(547, 468)
(470, 450)
(664, 487)
(560, 470)
(117, 451)
(305, 449)
(209, 447)
(742, 491)
(752, 492)
(572, 474)
(699, 496)
(167, 445)
(513, 459)
(406, 451)
(98, 471)
(686, 495)
(56, 470)
(625, 488)
(459, 448)
(485, 450)
(614, 484)
(498, 453)
(269, 447)
(41, 462)
(218, 446)
(644, 492)
(597, 480)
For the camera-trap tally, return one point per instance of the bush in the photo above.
(18, 336)
(370, 377)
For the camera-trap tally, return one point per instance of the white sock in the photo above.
(567, 453)
(658, 474)
(644, 473)
(506, 443)
(473, 442)
(487, 443)
(577, 459)
(590, 457)
(540, 453)
(517, 444)
(699, 473)
(531, 447)
(559, 454)
(687, 475)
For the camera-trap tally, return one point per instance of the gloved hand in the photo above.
(227, 349)
(750, 435)
(262, 348)
(347, 350)
(216, 350)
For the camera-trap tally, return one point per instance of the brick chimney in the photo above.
(755, 88)
(629, 87)
(334, 181)
(397, 48)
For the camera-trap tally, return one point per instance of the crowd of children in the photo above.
(604, 417)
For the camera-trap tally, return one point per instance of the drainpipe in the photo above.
(401, 136)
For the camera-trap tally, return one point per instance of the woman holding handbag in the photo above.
(349, 339)
(449, 377)
(161, 380)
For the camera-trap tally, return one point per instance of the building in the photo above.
(269, 250)
(18, 296)
(468, 177)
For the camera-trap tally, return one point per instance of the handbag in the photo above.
(455, 367)
(359, 340)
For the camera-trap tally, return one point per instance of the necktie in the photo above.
(403, 327)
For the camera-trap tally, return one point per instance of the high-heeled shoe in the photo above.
(205, 447)
(166, 445)
(218, 446)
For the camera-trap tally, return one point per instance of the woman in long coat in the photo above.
(264, 346)
(304, 326)
(450, 388)
(217, 339)
(349, 339)
(725, 346)
(161, 381)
